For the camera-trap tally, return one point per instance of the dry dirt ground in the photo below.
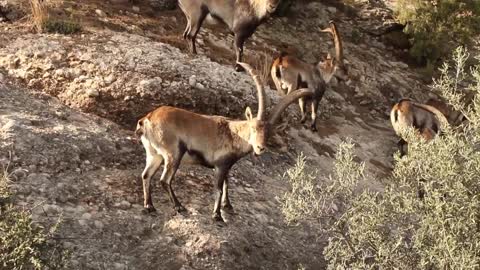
(68, 107)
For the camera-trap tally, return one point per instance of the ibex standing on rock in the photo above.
(290, 73)
(169, 134)
(241, 16)
(424, 118)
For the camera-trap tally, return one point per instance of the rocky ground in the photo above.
(68, 107)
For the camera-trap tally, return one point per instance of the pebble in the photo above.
(86, 216)
(92, 93)
(136, 9)
(100, 13)
(98, 224)
(192, 81)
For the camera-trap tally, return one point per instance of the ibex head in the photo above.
(257, 126)
(327, 68)
(257, 133)
(341, 69)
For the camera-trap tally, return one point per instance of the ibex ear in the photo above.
(248, 113)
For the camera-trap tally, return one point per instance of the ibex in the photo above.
(169, 134)
(424, 118)
(290, 73)
(241, 16)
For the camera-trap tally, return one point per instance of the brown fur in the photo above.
(426, 119)
(290, 73)
(454, 117)
(241, 16)
(172, 135)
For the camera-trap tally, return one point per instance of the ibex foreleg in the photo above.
(195, 24)
(221, 175)
(225, 200)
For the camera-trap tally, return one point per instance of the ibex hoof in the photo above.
(313, 128)
(227, 207)
(303, 120)
(218, 218)
(148, 210)
(239, 68)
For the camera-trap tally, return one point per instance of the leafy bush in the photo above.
(395, 228)
(23, 243)
(438, 26)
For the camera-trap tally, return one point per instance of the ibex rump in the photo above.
(424, 118)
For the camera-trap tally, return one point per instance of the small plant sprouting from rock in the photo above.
(24, 243)
(395, 228)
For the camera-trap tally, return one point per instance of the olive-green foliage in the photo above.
(395, 228)
(438, 26)
(61, 26)
(23, 243)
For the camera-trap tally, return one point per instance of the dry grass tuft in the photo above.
(262, 63)
(39, 14)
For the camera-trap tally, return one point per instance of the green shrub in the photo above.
(438, 26)
(23, 243)
(394, 228)
(61, 27)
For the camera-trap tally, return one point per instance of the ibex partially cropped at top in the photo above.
(241, 16)
(426, 119)
(290, 73)
(169, 134)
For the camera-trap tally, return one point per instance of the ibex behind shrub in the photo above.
(424, 118)
(171, 135)
(241, 16)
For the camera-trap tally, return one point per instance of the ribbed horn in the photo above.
(287, 100)
(332, 29)
(260, 90)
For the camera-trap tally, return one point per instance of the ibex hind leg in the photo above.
(171, 165)
(313, 126)
(152, 165)
(195, 24)
(187, 29)
(226, 204)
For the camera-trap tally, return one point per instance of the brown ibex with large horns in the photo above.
(241, 16)
(424, 118)
(169, 134)
(290, 73)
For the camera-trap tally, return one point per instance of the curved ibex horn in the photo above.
(287, 100)
(260, 90)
